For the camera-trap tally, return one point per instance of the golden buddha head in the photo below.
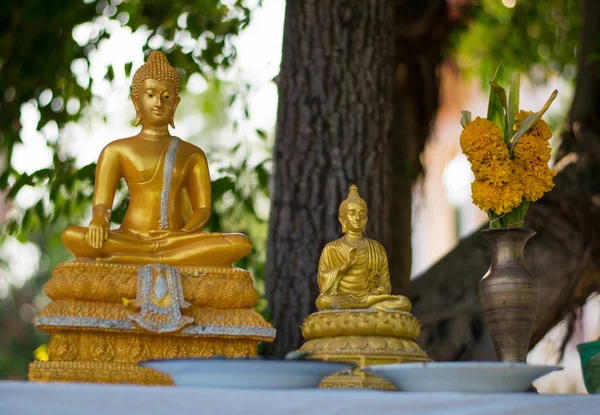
(155, 91)
(353, 212)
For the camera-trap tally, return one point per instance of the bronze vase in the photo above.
(509, 294)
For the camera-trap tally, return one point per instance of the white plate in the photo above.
(247, 373)
(461, 376)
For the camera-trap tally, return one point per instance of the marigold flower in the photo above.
(532, 147)
(504, 181)
(540, 129)
(481, 141)
(499, 199)
(496, 172)
(519, 117)
(536, 179)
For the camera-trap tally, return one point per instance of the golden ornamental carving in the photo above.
(63, 348)
(361, 322)
(128, 348)
(202, 287)
(365, 345)
(102, 350)
(357, 379)
(137, 350)
(175, 348)
(96, 372)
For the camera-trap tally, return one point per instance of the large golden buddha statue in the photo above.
(169, 187)
(157, 287)
(353, 270)
(359, 321)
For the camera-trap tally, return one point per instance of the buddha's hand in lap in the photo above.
(97, 231)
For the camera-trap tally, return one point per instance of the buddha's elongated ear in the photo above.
(343, 222)
(172, 120)
(138, 115)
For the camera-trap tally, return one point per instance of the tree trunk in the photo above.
(333, 129)
(565, 253)
(344, 74)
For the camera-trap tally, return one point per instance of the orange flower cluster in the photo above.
(531, 155)
(501, 182)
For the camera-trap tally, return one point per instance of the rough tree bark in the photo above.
(343, 73)
(565, 253)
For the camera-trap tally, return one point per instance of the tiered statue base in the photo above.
(94, 338)
(363, 337)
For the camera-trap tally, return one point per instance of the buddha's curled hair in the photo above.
(353, 197)
(156, 67)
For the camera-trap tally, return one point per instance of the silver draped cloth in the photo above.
(160, 300)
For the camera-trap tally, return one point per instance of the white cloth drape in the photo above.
(21, 398)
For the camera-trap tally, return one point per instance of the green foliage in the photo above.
(19, 339)
(534, 37)
(37, 49)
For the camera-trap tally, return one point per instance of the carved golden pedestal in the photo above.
(363, 337)
(94, 340)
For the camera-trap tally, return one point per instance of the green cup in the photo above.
(590, 364)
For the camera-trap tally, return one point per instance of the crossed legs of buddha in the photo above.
(193, 249)
(374, 301)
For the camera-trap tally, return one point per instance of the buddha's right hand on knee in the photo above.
(97, 231)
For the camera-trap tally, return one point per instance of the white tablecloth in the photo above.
(21, 398)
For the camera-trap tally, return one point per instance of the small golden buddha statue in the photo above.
(353, 270)
(359, 320)
(157, 287)
(169, 187)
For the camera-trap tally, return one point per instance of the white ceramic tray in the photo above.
(487, 377)
(247, 373)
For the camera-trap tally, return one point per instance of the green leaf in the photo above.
(127, 68)
(23, 180)
(495, 220)
(496, 112)
(261, 133)
(110, 73)
(513, 102)
(263, 177)
(465, 119)
(222, 185)
(530, 120)
(501, 94)
(516, 217)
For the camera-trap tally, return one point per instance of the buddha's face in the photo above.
(156, 102)
(355, 219)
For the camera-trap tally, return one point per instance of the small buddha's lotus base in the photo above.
(364, 337)
(96, 336)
